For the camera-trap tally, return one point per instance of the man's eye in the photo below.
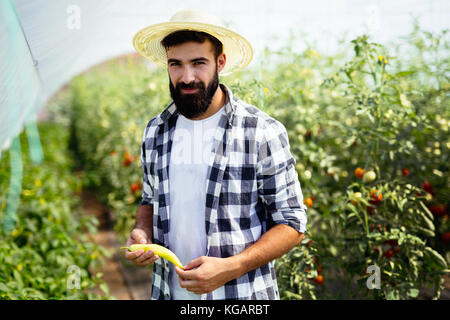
(198, 62)
(173, 64)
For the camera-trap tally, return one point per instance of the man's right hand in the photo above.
(139, 257)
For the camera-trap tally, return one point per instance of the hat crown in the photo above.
(196, 16)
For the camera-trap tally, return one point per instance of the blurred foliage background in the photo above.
(368, 127)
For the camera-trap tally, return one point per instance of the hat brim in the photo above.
(237, 49)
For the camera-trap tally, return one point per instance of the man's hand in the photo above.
(140, 257)
(205, 274)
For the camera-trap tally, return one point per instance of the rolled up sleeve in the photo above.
(147, 179)
(277, 179)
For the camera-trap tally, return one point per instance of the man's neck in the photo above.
(218, 101)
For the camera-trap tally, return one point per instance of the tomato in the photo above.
(319, 279)
(438, 210)
(357, 198)
(388, 254)
(445, 238)
(127, 159)
(369, 176)
(427, 187)
(136, 186)
(359, 173)
(376, 199)
(308, 202)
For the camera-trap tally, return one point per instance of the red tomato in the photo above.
(359, 173)
(446, 237)
(388, 254)
(127, 159)
(427, 187)
(438, 210)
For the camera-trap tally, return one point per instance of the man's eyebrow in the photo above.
(192, 60)
(199, 59)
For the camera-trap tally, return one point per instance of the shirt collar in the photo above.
(171, 110)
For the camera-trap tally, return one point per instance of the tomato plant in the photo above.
(49, 235)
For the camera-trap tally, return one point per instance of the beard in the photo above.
(195, 104)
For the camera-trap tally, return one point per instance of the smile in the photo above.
(189, 90)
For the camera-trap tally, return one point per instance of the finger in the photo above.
(138, 236)
(186, 275)
(149, 261)
(196, 291)
(146, 261)
(129, 255)
(180, 272)
(188, 284)
(145, 256)
(194, 263)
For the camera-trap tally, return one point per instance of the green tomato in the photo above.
(369, 176)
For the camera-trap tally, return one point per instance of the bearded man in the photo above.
(220, 188)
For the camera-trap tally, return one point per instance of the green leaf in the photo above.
(104, 288)
(426, 210)
(436, 256)
(18, 278)
(405, 73)
(3, 287)
(413, 293)
(292, 296)
(428, 222)
(424, 231)
(391, 155)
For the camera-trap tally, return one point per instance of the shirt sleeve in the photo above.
(147, 179)
(277, 179)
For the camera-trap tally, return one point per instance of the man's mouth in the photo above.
(189, 90)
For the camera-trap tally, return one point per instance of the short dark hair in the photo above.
(182, 36)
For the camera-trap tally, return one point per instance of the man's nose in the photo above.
(188, 75)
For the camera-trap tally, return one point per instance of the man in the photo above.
(219, 183)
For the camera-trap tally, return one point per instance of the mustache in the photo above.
(192, 85)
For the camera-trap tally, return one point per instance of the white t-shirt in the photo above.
(189, 159)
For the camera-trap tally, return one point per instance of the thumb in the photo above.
(139, 236)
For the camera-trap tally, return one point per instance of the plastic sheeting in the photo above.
(44, 43)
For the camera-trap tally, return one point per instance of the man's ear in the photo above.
(221, 61)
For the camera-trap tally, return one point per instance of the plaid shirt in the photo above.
(252, 185)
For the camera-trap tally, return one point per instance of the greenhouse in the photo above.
(324, 176)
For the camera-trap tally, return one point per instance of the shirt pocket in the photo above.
(238, 191)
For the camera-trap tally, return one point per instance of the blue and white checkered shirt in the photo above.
(252, 185)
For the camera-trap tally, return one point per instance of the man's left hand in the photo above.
(205, 274)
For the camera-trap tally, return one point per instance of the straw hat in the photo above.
(238, 50)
